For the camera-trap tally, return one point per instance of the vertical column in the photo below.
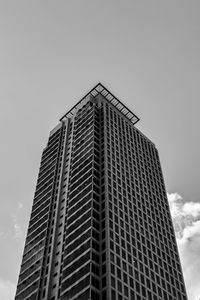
(32, 268)
(75, 282)
(48, 258)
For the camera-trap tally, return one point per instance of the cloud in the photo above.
(189, 248)
(20, 205)
(186, 220)
(17, 229)
(7, 290)
(192, 209)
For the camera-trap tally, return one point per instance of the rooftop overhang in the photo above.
(100, 89)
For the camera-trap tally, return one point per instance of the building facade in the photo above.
(100, 226)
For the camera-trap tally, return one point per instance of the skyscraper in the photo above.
(100, 226)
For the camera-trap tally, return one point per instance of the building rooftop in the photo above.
(100, 89)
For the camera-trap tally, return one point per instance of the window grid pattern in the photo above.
(81, 258)
(144, 261)
(100, 225)
(38, 238)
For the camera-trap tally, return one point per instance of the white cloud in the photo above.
(189, 248)
(179, 207)
(17, 229)
(191, 208)
(20, 205)
(186, 219)
(173, 197)
(7, 290)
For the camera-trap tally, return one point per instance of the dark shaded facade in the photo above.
(100, 226)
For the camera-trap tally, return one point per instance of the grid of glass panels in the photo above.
(100, 225)
(81, 256)
(38, 236)
(144, 262)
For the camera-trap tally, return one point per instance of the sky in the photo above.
(52, 53)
